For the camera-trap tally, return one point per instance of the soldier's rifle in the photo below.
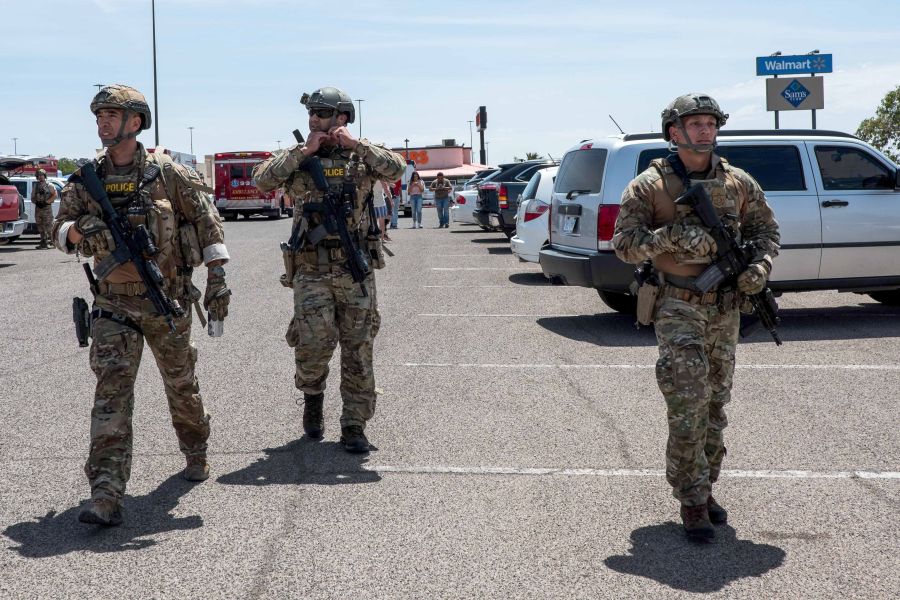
(133, 245)
(731, 260)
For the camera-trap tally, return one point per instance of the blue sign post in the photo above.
(793, 65)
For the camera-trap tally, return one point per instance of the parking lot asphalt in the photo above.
(519, 433)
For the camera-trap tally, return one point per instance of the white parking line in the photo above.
(759, 474)
(468, 287)
(484, 269)
(493, 316)
(600, 366)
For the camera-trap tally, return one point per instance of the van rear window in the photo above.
(581, 170)
(775, 168)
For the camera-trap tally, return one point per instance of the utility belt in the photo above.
(137, 288)
(99, 313)
(682, 288)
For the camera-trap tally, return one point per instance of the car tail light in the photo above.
(460, 199)
(606, 222)
(534, 209)
(502, 197)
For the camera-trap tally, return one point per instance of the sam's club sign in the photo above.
(793, 65)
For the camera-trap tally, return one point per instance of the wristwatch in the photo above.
(217, 271)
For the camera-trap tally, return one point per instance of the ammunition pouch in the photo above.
(647, 294)
(189, 245)
(287, 279)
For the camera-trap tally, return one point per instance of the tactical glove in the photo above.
(217, 297)
(97, 237)
(753, 280)
(685, 240)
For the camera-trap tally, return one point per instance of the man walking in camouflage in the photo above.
(165, 198)
(697, 332)
(329, 307)
(42, 196)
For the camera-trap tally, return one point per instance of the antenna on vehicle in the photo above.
(551, 158)
(617, 125)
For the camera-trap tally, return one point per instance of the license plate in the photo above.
(570, 223)
(495, 222)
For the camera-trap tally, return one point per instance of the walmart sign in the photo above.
(793, 65)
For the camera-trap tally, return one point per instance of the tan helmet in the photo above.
(40, 172)
(127, 99)
(690, 104)
(330, 97)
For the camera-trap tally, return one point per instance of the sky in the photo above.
(549, 73)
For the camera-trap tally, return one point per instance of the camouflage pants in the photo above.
(330, 308)
(43, 218)
(694, 372)
(115, 357)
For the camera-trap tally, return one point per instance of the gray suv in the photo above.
(836, 199)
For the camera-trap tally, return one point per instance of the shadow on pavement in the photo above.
(663, 553)
(500, 250)
(490, 240)
(604, 329)
(304, 461)
(528, 279)
(57, 534)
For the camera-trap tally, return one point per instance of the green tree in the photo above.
(67, 166)
(883, 130)
(528, 156)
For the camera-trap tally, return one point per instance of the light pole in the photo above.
(487, 152)
(191, 129)
(470, 134)
(98, 86)
(155, 99)
(16, 152)
(279, 144)
(360, 101)
(406, 141)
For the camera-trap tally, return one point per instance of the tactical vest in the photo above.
(149, 207)
(723, 190)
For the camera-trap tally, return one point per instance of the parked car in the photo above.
(463, 209)
(531, 217)
(478, 178)
(498, 194)
(25, 185)
(836, 199)
(12, 204)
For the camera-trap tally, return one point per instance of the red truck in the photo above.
(12, 205)
(236, 192)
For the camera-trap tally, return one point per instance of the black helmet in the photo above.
(123, 97)
(690, 104)
(330, 97)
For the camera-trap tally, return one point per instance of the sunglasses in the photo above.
(322, 113)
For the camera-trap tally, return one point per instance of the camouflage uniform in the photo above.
(175, 213)
(697, 333)
(42, 196)
(329, 307)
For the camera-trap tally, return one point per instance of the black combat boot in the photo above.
(717, 514)
(313, 420)
(354, 440)
(696, 523)
(197, 468)
(101, 511)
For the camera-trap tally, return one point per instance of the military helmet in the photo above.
(40, 172)
(691, 104)
(330, 97)
(123, 97)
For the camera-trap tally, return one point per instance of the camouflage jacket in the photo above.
(42, 194)
(648, 203)
(185, 226)
(368, 164)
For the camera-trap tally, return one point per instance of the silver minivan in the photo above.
(836, 199)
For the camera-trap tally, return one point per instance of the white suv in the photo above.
(835, 197)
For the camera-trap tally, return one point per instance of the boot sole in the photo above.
(356, 449)
(701, 538)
